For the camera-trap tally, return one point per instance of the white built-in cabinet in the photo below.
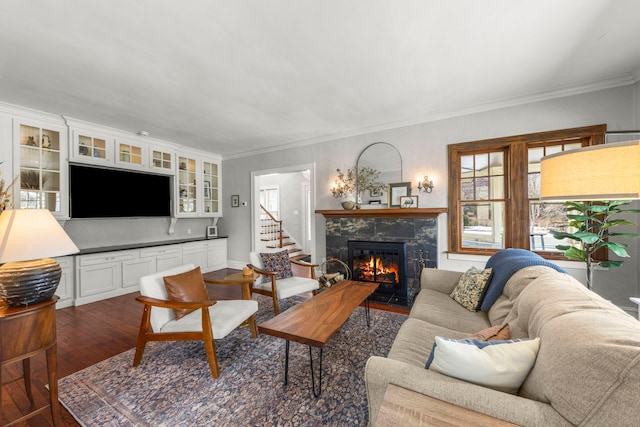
(109, 274)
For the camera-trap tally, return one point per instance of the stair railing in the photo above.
(271, 227)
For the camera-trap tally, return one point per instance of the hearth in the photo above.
(384, 263)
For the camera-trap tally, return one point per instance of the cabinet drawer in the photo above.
(162, 250)
(195, 246)
(86, 260)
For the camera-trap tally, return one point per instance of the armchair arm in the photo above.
(303, 268)
(155, 302)
(261, 271)
(245, 283)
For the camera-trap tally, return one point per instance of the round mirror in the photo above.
(386, 159)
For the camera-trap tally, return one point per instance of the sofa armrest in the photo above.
(439, 280)
(381, 371)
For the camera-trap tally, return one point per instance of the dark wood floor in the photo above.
(87, 334)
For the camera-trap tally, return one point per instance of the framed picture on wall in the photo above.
(397, 190)
(235, 201)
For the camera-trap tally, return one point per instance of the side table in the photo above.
(25, 332)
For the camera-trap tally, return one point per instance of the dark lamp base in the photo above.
(29, 282)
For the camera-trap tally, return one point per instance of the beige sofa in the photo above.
(587, 371)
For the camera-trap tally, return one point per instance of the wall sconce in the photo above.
(337, 190)
(426, 185)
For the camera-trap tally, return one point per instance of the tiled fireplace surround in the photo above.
(419, 234)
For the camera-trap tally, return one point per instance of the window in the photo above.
(494, 189)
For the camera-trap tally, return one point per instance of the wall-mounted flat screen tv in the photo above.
(96, 192)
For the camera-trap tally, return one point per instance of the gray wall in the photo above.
(424, 151)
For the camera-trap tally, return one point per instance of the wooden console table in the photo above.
(402, 407)
(25, 332)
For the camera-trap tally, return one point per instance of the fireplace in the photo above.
(384, 263)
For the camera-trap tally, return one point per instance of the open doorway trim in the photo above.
(255, 198)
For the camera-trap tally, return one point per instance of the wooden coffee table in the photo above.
(315, 321)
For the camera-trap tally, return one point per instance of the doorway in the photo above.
(288, 194)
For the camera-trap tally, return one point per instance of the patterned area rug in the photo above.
(173, 385)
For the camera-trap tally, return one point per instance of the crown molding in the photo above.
(626, 79)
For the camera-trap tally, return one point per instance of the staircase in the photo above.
(273, 235)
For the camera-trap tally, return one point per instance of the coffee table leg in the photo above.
(317, 393)
(286, 363)
(367, 312)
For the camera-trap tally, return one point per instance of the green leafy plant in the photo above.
(594, 223)
(365, 178)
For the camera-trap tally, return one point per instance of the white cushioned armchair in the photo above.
(159, 321)
(303, 280)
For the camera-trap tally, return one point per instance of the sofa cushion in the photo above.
(505, 263)
(277, 262)
(415, 339)
(501, 365)
(498, 332)
(518, 281)
(588, 367)
(186, 287)
(439, 309)
(471, 287)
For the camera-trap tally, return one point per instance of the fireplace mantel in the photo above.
(383, 213)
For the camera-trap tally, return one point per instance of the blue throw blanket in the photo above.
(505, 263)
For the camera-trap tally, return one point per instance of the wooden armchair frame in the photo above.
(146, 333)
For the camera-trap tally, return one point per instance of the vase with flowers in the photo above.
(349, 185)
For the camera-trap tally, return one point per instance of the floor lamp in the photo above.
(606, 172)
(28, 240)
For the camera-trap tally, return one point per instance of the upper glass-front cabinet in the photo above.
(90, 147)
(187, 185)
(41, 153)
(131, 154)
(211, 187)
(161, 160)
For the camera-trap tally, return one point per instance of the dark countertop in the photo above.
(87, 251)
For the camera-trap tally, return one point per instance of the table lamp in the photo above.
(28, 238)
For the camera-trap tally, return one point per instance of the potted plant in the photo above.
(593, 223)
(349, 185)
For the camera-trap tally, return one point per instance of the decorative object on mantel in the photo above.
(29, 238)
(396, 191)
(347, 186)
(426, 185)
(592, 178)
(407, 202)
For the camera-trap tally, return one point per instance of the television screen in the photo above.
(96, 192)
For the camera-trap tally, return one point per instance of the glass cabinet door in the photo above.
(187, 188)
(161, 160)
(40, 168)
(211, 188)
(130, 154)
(89, 146)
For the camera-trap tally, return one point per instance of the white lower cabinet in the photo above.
(216, 254)
(108, 274)
(196, 254)
(65, 290)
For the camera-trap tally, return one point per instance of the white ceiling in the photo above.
(241, 76)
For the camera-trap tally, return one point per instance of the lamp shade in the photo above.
(28, 234)
(602, 172)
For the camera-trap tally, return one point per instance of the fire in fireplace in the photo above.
(383, 263)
